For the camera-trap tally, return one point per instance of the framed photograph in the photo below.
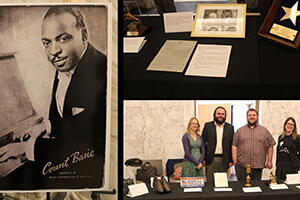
(282, 24)
(220, 20)
(55, 96)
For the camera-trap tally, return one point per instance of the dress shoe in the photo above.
(157, 185)
(166, 184)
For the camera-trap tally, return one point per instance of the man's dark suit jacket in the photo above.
(82, 132)
(209, 135)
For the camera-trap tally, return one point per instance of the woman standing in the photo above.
(194, 151)
(287, 161)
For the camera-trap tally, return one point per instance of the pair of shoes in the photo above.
(161, 185)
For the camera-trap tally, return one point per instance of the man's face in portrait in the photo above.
(62, 41)
(220, 116)
(252, 118)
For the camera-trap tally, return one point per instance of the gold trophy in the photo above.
(248, 178)
(134, 25)
(273, 179)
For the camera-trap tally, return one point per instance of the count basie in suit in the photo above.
(72, 154)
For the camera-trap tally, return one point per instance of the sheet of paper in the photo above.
(192, 190)
(137, 189)
(223, 189)
(279, 186)
(133, 44)
(173, 56)
(209, 60)
(178, 22)
(292, 179)
(221, 179)
(251, 189)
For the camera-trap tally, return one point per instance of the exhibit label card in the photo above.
(137, 189)
(223, 189)
(279, 186)
(178, 22)
(221, 179)
(173, 56)
(251, 189)
(292, 179)
(192, 190)
(133, 44)
(210, 61)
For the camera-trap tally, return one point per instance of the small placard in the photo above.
(223, 189)
(192, 190)
(137, 190)
(133, 44)
(279, 186)
(292, 179)
(251, 189)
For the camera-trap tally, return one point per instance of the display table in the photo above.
(208, 193)
(257, 68)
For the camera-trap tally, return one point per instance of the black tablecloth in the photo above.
(208, 193)
(257, 69)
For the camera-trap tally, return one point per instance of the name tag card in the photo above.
(178, 22)
(192, 190)
(279, 186)
(133, 44)
(292, 179)
(223, 189)
(137, 190)
(251, 189)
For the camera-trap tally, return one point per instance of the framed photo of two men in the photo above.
(282, 23)
(55, 96)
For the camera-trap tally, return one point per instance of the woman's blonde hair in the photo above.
(190, 123)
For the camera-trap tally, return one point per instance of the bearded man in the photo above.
(252, 145)
(217, 136)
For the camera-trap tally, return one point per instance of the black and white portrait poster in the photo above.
(55, 96)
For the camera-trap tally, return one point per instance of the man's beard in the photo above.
(252, 124)
(219, 121)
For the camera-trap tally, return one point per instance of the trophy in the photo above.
(281, 24)
(134, 26)
(248, 178)
(273, 179)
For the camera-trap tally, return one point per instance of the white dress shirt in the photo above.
(219, 132)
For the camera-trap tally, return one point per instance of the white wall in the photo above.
(153, 129)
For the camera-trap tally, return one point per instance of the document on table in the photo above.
(209, 60)
(178, 22)
(133, 44)
(192, 190)
(251, 189)
(221, 179)
(173, 56)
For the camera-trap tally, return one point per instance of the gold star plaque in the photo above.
(282, 23)
(291, 13)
